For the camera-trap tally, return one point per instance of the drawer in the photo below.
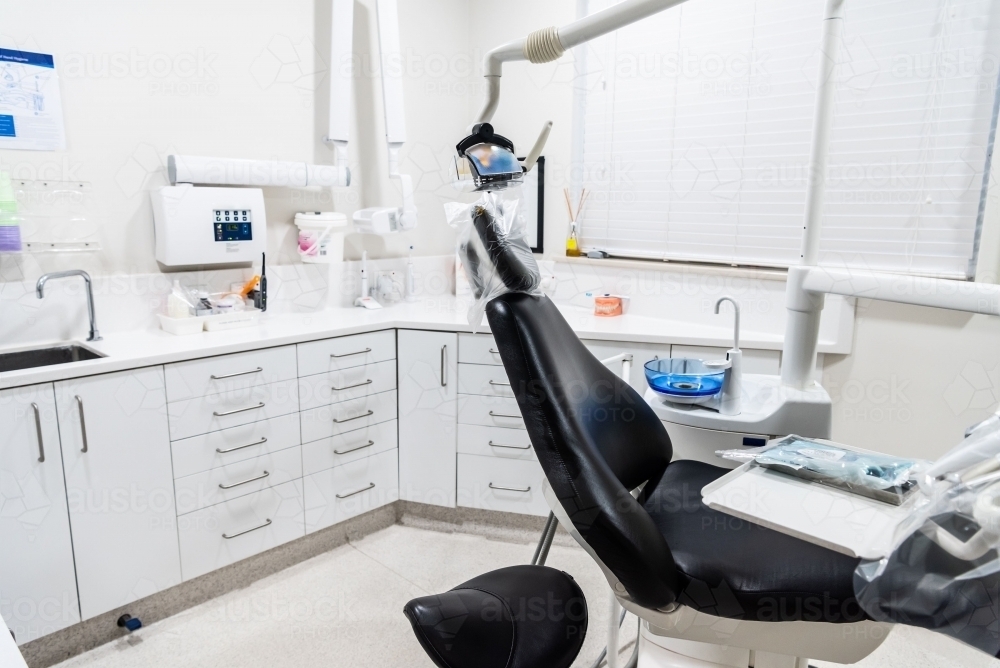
(229, 373)
(349, 415)
(701, 444)
(227, 532)
(510, 485)
(201, 490)
(489, 411)
(346, 351)
(340, 493)
(219, 411)
(478, 349)
(349, 446)
(218, 448)
(483, 379)
(494, 442)
(335, 386)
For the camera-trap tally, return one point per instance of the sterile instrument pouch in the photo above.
(943, 572)
(493, 248)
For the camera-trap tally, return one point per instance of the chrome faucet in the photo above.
(40, 291)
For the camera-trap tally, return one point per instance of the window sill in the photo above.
(674, 266)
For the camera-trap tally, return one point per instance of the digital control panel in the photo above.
(233, 225)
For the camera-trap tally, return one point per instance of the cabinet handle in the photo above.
(238, 410)
(240, 447)
(38, 430)
(512, 447)
(243, 482)
(505, 415)
(444, 366)
(266, 523)
(493, 382)
(357, 352)
(83, 424)
(359, 447)
(523, 490)
(494, 351)
(357, 491)
(233, 375)
(356, 417)
(340, 389)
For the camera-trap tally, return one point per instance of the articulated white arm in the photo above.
(549, 44)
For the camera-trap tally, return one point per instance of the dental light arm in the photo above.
(548, 44)
(391, 219)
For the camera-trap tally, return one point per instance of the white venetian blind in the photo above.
(692, 132)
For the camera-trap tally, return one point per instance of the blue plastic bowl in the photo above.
(683, 377)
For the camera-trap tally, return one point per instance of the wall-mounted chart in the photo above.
(30, 109)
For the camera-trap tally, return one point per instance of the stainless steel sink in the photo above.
(29, 359)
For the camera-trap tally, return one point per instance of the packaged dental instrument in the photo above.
(880, 477)
(493, 246)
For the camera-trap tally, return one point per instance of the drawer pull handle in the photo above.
(358, 447)
(356, 352)
(523, 490)
(234, 375)
(341, 389)
(240, 447)
(444, 366)
(238, 410)
(38, 431)
(494, 351)
(505, 415)
(356, 417)
(357, 491)
(493, 382)
(512, 447)
(266, 523)
(243, 482)
(83, 425)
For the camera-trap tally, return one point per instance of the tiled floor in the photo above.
(344, 608)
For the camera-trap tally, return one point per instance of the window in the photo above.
(692, 132)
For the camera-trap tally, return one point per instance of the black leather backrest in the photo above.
(595, 438)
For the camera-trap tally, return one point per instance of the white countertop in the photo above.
(130, 350)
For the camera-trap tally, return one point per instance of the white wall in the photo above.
(241, 79)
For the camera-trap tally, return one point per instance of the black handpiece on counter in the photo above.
(263, 282)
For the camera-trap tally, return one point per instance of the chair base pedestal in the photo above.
(662, 652)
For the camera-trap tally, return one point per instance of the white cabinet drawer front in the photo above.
(346, 351)
(485, 380)
(220, 411)
(478, 349)
(501, 484)
(201, 490)
(336, 386)
(495, 442)
(218, 448)
(229, 373)
(340, 493)
(348, 447)
(225, 533)
(335, 419)
(489, 411)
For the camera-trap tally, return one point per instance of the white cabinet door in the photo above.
(428, 404)
(37, 581)
(116, 450)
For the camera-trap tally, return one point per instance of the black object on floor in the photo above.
(516, 617)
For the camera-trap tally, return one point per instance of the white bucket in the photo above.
(321, 236)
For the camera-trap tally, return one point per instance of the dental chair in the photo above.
(711, 589)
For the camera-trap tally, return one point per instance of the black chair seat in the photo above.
(737, 569)
(517, 617)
